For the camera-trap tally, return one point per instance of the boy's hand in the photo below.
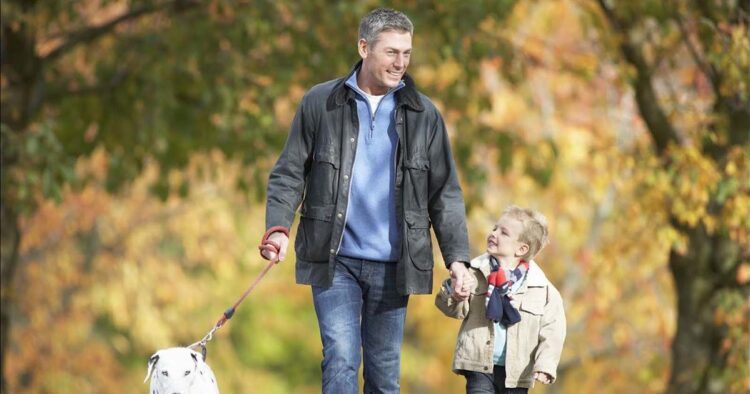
(543, 377)
(460, 280)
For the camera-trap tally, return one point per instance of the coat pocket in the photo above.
(322, 180)
(416, 182)
(418, 240)
(534, 307)
(313, 240)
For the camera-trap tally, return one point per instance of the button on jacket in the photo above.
(314, 170)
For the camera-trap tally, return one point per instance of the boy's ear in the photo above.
(522, 249)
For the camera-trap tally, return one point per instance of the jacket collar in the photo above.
(406, 96)
(534, 278)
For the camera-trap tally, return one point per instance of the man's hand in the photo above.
(280, 239)
(461, 280)
(543, 377)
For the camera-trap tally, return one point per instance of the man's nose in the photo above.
(400, 61)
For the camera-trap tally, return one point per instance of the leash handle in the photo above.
(271, 246)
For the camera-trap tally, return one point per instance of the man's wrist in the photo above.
(465, 264)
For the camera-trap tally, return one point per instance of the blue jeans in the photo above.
(362, 313)
(490, 383)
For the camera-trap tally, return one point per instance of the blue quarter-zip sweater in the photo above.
(371, 231)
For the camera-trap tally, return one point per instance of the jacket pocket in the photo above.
(416, 182)
(418, 240)
(313, 240)
(531, 310)
(322, 180)
(534, 307)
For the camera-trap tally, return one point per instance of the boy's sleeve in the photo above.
(551, 335)
(448, 305)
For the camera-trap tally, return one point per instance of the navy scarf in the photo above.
(500, 281)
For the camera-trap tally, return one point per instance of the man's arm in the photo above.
(447, 210)
(286, 182)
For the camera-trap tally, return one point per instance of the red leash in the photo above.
(266, 245)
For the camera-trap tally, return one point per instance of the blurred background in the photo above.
(137, 137)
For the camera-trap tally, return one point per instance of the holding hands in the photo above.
(461, 280)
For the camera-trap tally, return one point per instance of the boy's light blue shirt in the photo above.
(501, 333)
(371, 231)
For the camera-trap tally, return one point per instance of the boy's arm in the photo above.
(450, 306)
(551, 336)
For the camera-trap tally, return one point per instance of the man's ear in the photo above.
(363, 48)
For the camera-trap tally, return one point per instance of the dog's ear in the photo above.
(151, 363)
(198, 356)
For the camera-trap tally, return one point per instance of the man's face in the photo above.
(384, 61)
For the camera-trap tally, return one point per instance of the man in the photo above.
(369, 160)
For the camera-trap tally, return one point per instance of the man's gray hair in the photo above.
(383, 19)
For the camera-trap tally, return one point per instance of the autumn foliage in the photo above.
(137, 138)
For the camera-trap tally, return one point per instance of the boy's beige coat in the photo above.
(533, 344)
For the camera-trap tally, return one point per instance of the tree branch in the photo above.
(92, 33)
(705, 66)
(662, 132)
(119, 76)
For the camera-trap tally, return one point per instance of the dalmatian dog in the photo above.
(180, 370)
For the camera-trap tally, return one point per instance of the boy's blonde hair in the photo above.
(534, 232)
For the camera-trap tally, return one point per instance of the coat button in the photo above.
(486, 368)
(339, 215)
(331, 251)
(351, 139)
(346, 176)
(488, 342)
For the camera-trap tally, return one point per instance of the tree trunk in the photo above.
(701, 276)
(11, 239)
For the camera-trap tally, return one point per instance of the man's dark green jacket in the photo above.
(314, 170)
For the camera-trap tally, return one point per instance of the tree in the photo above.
(147, 81)
(156, 81)
(705, 163)
(526, 89)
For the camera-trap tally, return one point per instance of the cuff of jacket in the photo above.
(548, 369)
(449, 259)
(279, 217)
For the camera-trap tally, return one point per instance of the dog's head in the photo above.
(173, 370)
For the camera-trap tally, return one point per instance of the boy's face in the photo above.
(503, 241)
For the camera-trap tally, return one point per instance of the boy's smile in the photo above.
(503, 241)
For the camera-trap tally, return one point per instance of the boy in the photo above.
(513, 322)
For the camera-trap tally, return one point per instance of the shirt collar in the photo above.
(352, 83)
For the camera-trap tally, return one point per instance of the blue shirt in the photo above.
(371, 230)
(501, 332)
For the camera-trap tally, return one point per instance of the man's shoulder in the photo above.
(322, 90)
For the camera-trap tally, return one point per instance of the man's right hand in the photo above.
(280, 239)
